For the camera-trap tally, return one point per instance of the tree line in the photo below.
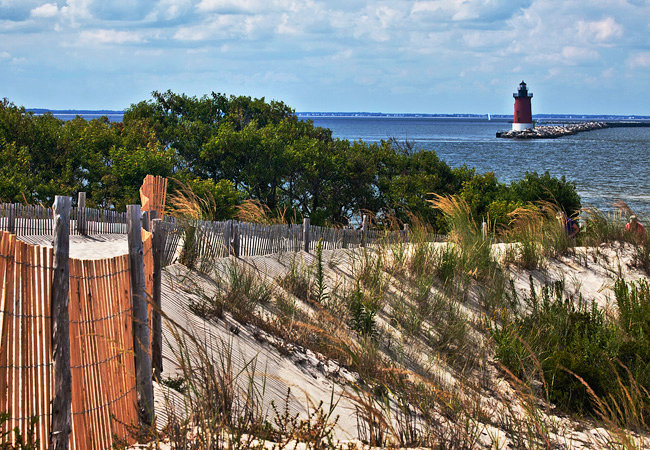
(234, 148)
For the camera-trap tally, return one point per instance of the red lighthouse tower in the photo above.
(523, 119)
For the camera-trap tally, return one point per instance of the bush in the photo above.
(575, 347)
(535, 188)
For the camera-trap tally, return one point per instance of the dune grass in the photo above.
(405, 320)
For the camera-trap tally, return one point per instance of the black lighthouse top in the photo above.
(522, 92)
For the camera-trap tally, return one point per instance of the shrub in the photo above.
(535, 188)
(585, 358)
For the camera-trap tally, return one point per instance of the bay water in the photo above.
(607, 165)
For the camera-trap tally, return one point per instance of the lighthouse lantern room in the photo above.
(523, 119)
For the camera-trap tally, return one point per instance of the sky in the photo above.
(422, 56)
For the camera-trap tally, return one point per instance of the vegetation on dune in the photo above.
(419, 326)
(238, 148)
(588, 362)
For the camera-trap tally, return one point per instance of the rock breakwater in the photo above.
(552, 131)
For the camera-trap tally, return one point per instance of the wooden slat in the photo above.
(29, 336)
(22, 394)
(4, 318)
(41, 360)
(121, 292)
(13, 329)
(96, 317)
(79, 437)
(105, 291)
(49, 375)
(7, 266)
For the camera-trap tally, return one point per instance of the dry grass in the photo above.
(422, 361)
(254, 211)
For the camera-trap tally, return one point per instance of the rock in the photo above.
(549, 132)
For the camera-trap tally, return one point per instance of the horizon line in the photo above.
(356, 114)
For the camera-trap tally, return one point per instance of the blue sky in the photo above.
(427, 56)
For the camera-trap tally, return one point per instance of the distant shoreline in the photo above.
(351, 115)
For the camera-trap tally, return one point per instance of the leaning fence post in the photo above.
(81, 213)
(227, 237)
(158, 243)
(144, 385)
(364, 229)
(62, 401)
(305, 234)
(11, 219)
(236, 240)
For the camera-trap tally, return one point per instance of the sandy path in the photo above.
(87, 247)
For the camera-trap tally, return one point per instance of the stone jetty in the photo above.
(552, 131)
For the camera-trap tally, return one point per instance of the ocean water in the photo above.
(606, 165)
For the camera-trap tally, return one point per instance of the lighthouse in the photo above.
(523, 119)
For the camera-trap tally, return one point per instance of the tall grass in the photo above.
(405, 315)
(189, 208)
(591, 363)
(255, 211)
(241, 292)
(475, 246)
(223, 407)
(537, 234)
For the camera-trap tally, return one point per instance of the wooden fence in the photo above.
(153, 194)
(101, 340)
(31, 220)
(219, 239)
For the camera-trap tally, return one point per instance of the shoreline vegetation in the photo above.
(239, 148)
(509, 335)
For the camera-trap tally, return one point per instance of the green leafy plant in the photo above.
(321, 295)
(581, 353)
(362, 311)
(20, 441)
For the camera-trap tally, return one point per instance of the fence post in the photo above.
(11, 219)
(144, 385)
(81, 213)
(305, 234)
(158, 243)
(364, 229)
(227, 237)
(145, 221)
(236, 240)
(406, 232)
(62, 401)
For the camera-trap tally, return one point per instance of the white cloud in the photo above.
(5, 55)
(574, 54)
(601, 30)
(170, 9)
(640, 59)
(46, 10)
(463, 10)
(110, 37)
(243, 6)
